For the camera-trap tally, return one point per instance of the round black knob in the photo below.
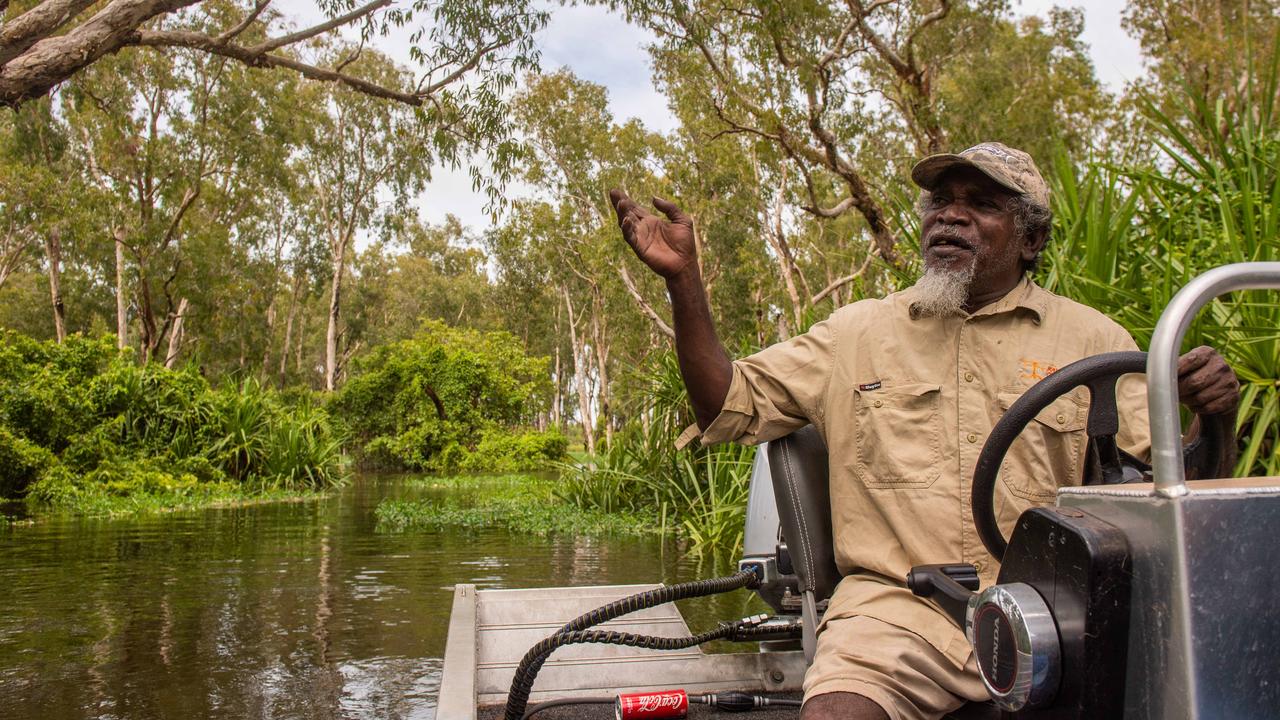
(1015, 642)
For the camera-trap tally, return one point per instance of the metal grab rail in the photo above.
(1162, 361)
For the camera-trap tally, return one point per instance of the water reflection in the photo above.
(288, 610)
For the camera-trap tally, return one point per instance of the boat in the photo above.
(1138, 595)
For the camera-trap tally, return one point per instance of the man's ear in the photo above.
(1034, 243)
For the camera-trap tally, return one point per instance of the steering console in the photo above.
(1050, 637)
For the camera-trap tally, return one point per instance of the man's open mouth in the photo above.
(949, 241)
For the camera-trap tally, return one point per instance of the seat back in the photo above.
(798, 464)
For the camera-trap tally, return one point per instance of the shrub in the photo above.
(81, 420)
(446, 399)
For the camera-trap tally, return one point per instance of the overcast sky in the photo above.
(604, 49)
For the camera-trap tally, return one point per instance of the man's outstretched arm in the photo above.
(667, 246)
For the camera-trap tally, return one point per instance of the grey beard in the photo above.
(943, 292)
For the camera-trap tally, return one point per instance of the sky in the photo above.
(604, 49)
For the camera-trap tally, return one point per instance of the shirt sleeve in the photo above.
(775, 391)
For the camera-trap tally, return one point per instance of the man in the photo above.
(905, 390)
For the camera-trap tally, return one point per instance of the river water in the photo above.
(285, 610)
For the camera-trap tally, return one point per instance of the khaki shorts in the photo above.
(893, 667)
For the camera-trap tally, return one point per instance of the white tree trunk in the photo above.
(175, 335)
(335, 309)
(581, 361)
(122, 319)
(53, 248)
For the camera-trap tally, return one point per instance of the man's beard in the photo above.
(942, 291)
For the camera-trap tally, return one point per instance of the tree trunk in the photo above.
(555, 393)
(175, 335)
(335, 308)
(297, 350)
(288, 325)
(599, 330)
(53, 248)
(122, 320)
(581, 358)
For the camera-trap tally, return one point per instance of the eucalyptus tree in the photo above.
(45, 207)
(45, 42)
(1206, 54)
(526, 296)
(421, 271)
(362, 160)
(576, 152)
(184, 145)
(847, 92)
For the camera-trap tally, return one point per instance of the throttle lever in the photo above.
(950, 586)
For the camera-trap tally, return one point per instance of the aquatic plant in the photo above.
(521, 503)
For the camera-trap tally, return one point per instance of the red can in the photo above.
(648, 705)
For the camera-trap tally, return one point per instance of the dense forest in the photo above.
(208, 229)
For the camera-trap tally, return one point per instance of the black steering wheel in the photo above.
(1211, 455)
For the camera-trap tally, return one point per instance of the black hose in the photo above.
(539, 707)
(658, 596)
(575, 631)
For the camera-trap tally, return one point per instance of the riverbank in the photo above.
(95, 503)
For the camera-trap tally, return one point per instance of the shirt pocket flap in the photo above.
(910, 390)
(1065, 414)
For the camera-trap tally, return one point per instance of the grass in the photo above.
(697, 493)
(521, 503)
(96, 502)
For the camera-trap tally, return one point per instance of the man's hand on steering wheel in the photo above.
(1206, 384)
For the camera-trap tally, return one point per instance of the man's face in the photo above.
(967, 224)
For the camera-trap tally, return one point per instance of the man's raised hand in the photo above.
(666, 246)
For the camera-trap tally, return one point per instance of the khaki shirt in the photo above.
(905, 404)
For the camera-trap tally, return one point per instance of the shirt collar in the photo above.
(1026, 295)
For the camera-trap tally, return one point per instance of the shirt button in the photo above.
(879, 403)
(977, 565)
(973, 438)
(968, 377)
(1061, 418)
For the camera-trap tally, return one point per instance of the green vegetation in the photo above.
(85, 428)
(1128, 237)
(520, 503)
(699, 491)
(449, 399)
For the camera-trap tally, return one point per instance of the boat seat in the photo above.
(800, 473)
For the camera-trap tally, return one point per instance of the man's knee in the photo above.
(841, 706)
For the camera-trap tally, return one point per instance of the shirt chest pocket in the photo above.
(1047, 454)
(898, 443)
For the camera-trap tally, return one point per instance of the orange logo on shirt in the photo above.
(1034, 369)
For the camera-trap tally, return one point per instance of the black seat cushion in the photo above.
(798, 464)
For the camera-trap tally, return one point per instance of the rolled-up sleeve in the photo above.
(774, 391)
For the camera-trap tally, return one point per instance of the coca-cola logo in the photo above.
(651, 703)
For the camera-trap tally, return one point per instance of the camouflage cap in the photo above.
(1008, 166)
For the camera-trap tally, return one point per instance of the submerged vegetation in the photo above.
(83, 427)
(521, 503)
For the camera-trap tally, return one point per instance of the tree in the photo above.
(1204, 52)
(363, 160)
(479, 41)
(847, 92)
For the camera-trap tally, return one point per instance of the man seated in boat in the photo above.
(905, 389)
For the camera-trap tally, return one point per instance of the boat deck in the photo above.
(490, 631)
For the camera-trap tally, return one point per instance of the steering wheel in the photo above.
(1211, 455)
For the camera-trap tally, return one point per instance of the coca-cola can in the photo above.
(649, 705)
